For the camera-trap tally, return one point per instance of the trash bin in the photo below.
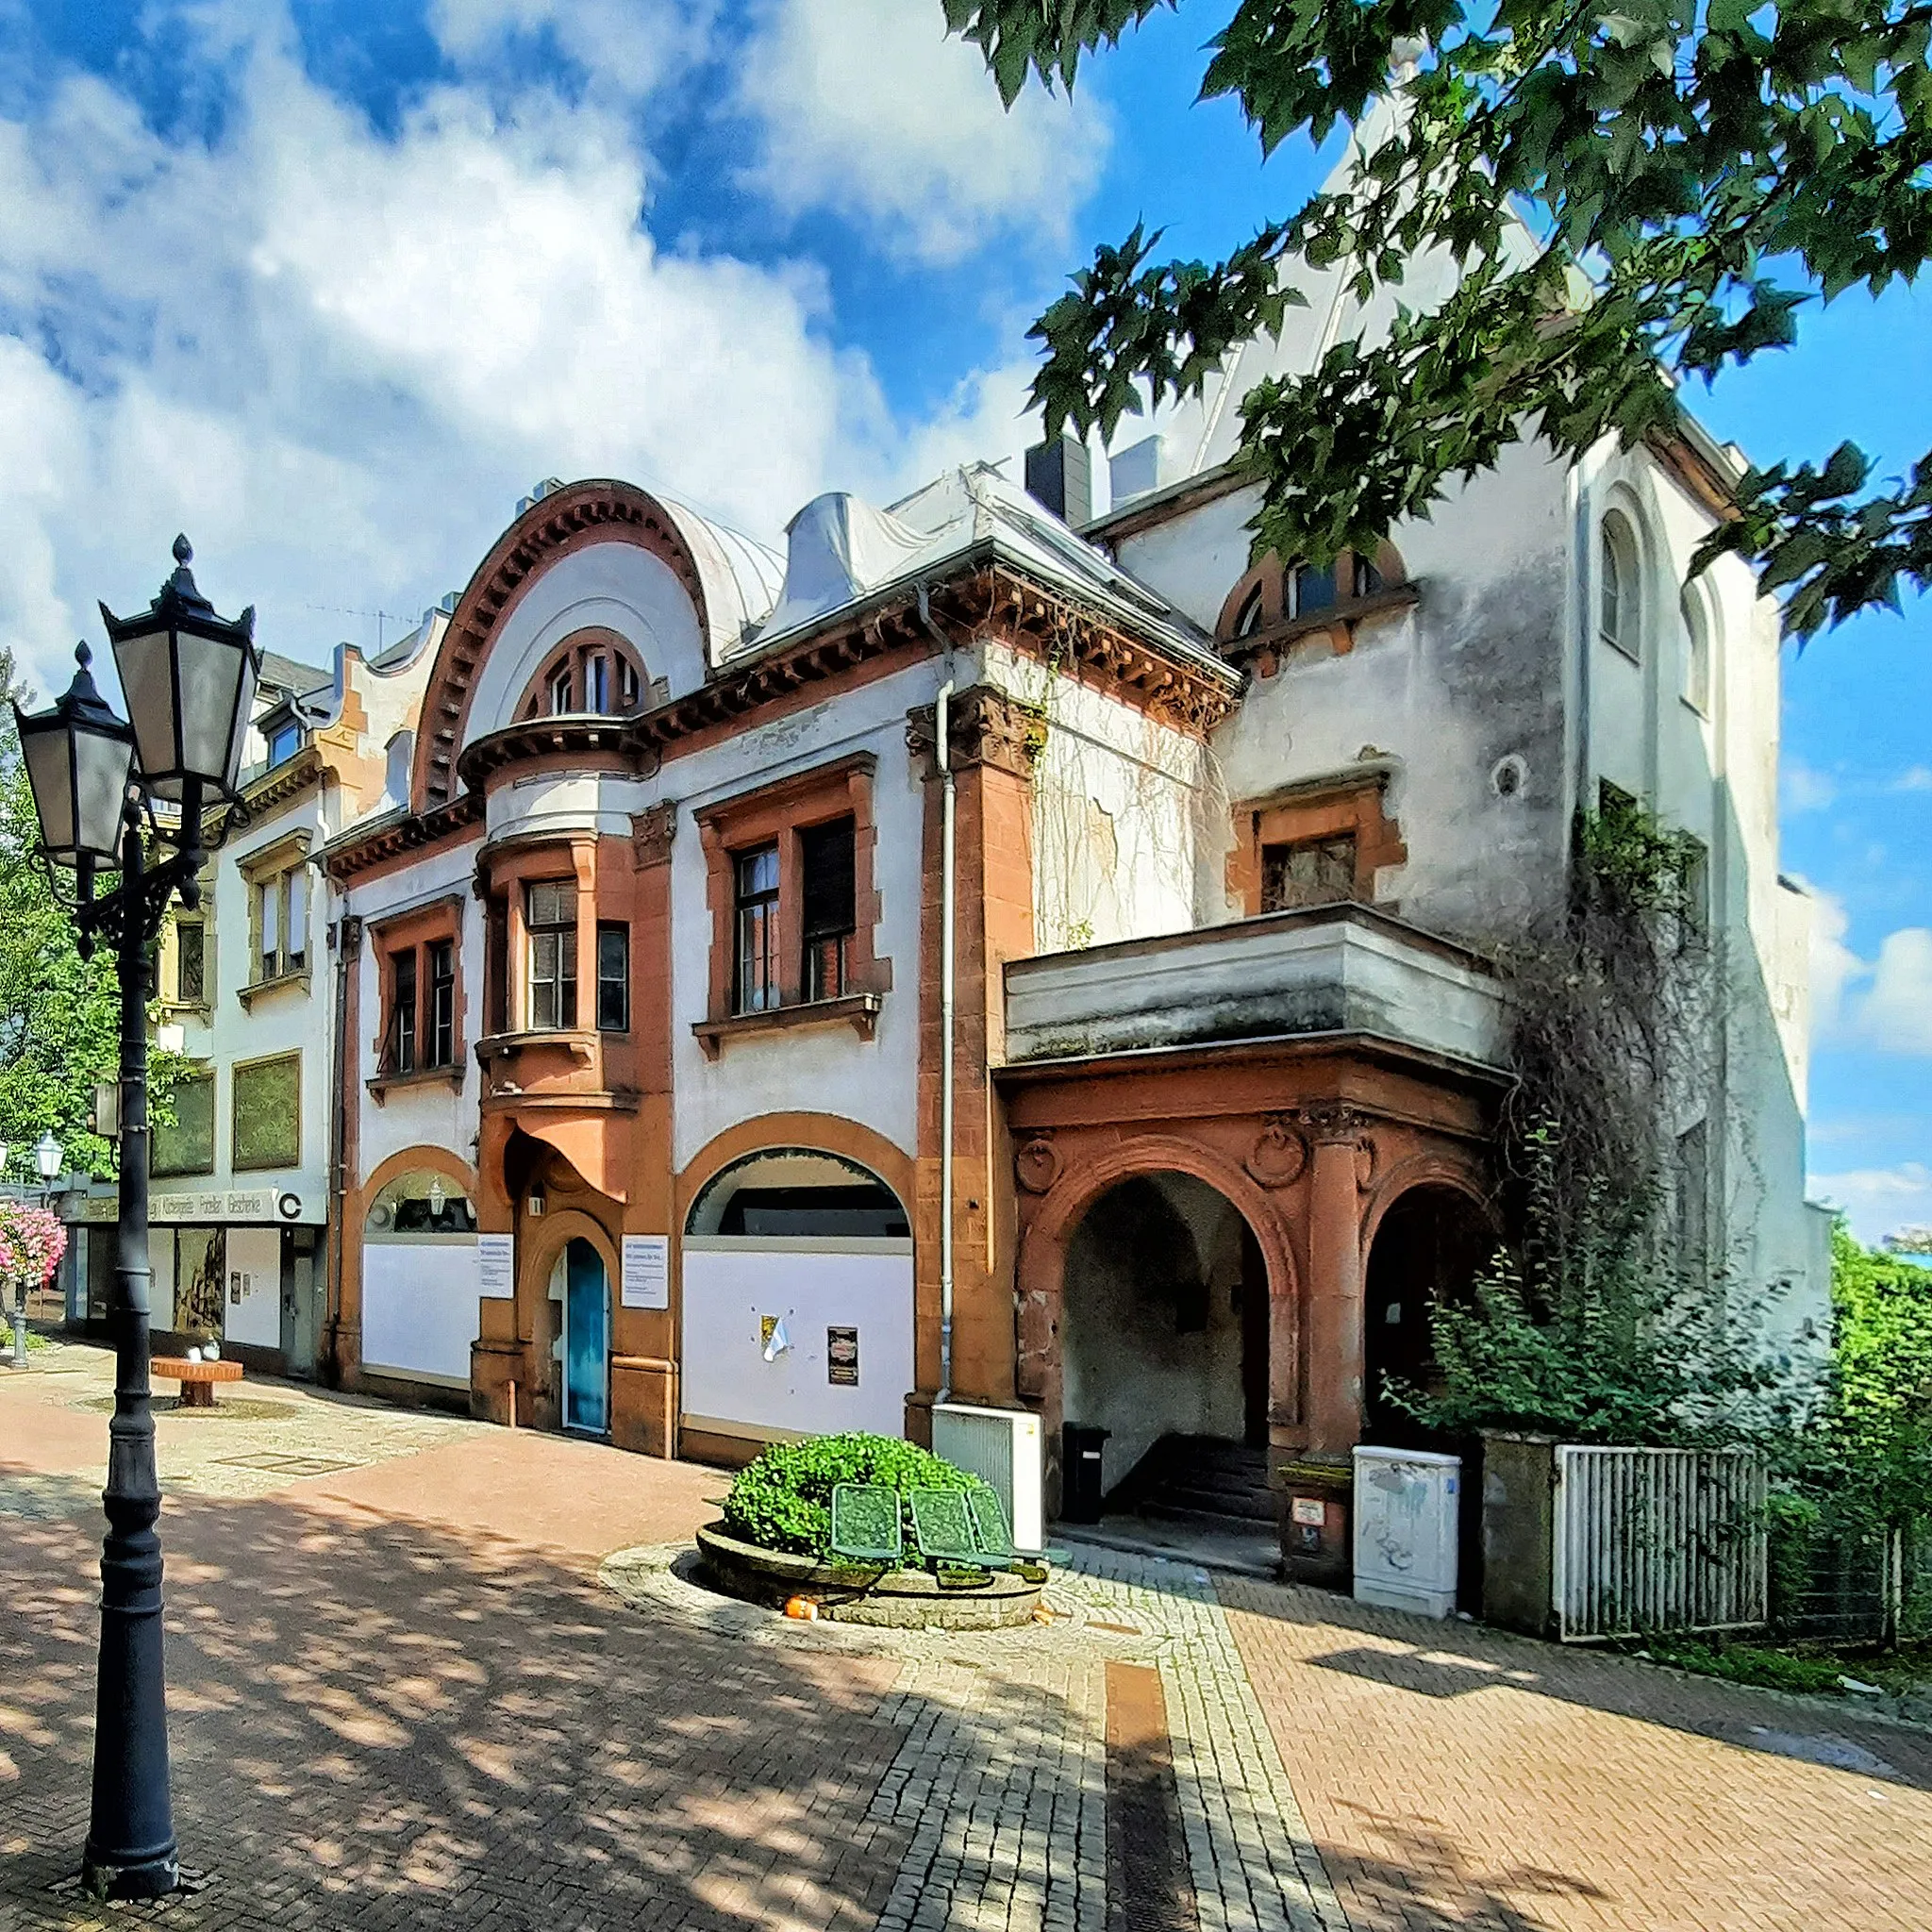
(1080, 1480)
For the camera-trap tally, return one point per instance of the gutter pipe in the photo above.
(948, 896)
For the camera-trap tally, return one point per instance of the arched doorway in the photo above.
(1428, 1248)
(580, 1282)
(1164, 1344)
(797, 1301)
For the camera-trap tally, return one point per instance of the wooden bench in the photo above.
(197, 1380)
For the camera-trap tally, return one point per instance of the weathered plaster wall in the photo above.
(1470, 677)
(1123, 805)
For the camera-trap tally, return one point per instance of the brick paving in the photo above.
(404, 1692)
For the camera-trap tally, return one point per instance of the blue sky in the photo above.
(330, 285)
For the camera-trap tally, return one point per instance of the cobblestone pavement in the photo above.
(405, 1693)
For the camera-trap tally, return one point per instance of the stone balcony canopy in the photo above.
(1345, 971)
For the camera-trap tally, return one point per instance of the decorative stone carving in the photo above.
(1364, 1161)
(984, 726)
(651, 832)
(1279, 1155)
(1331, 1122)
(1037, 1165)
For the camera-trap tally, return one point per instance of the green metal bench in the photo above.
(866, 1527)
(993, 1536)
(942, 1528)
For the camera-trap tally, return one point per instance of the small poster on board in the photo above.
(646, 1271)
(496, 1267)
(842, 1358)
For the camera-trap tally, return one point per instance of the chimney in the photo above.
(1059, 474)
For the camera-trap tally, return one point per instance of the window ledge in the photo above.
(250, 993)
(860, 1010)
(1342, 615)
(451, 1077)
(500, 1046)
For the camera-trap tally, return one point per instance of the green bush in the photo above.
(783, 1501)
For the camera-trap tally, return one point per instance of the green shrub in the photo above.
(783, 1501)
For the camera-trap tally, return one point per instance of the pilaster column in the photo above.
(1335, 1280)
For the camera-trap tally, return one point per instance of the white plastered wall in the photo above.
(1711, 769)
(431, 1114)
(822, 1069)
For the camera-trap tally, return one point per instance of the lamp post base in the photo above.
(19, 1339)
(139, 1878)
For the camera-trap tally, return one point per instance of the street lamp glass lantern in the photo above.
(78, 757)
(189, 678)
(47, 1156)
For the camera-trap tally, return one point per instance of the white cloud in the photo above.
(868, 109)
(1834, 965)
(1896, 1014)
(1878, 1200)
(337, 357)
(1914, 778)
(1806, 788)
(625, 46)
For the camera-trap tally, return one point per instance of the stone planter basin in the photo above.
(897, 1600)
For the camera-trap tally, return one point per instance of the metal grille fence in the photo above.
(1657, 1539)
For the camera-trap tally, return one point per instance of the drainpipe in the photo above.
(329, 1366)
(948, 885)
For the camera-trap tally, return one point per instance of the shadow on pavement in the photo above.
(1454, 1659)
(376, 1722)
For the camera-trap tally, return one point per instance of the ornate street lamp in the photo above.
(189, 678)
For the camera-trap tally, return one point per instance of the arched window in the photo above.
(1618, 601)
(1696, 653)
(1269, 598)
(593, 674)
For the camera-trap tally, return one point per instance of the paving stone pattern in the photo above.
(412, 1697)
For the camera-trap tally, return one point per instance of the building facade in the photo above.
(645, 1017)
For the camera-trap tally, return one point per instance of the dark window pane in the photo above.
(827, 855)
(1315, 589)
(190, 956)
(1367, 580)
(496, 975)
(757, 982)
(442, 1004)
(402, 1021)
(1316, 872)
(613, 978)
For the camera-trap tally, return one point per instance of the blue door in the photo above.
(586, 1340)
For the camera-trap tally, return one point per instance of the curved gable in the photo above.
(559, 526)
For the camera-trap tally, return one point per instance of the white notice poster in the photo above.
(496, 1267)
(646, 1271)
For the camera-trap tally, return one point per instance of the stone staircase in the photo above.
(1203, 1482)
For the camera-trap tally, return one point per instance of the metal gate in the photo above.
(1657, 1539)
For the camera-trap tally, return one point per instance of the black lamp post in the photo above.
(189, 680)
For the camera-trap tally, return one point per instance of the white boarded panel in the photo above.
(730, 1283)
(160, 1261)
(419, 1307)
(254, 1272)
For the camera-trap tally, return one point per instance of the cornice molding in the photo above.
(984, 727)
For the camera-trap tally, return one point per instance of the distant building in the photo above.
(246, 985)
